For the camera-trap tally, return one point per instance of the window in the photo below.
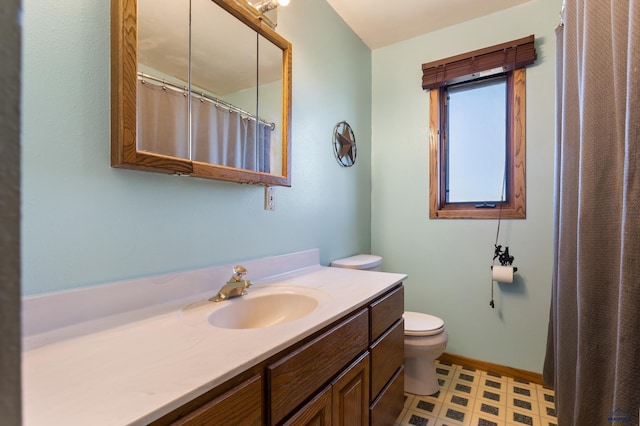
(475, 116)
(477, 132)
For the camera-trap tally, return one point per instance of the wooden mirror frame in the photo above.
(124, 69)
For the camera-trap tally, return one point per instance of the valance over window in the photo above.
(468, 66)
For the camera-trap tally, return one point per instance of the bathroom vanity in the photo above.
(349, 371)
(188, 362)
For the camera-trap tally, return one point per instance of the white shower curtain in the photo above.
(219, 135)
(156, 133)
(224, 137)
(593, 348)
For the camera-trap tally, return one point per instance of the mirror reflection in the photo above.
(225, 122)
(163, 69)
(270, 88)
(213, 93)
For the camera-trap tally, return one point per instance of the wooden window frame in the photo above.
(469, 67)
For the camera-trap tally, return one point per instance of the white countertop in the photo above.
(134, 367)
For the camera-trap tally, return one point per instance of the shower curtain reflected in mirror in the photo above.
(226, 138)
(163, 120)
(220, 135)
(594, 328)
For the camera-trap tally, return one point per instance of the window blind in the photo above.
(490, 60)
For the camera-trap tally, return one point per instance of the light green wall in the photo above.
(85, 223)
(448, 261)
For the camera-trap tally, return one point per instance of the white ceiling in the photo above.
(380, 23)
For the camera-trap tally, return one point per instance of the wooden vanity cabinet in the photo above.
(350, 373)
(387, 357)
(344, 402)
(297, 376)
(378, 374)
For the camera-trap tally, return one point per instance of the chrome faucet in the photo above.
(235, 286)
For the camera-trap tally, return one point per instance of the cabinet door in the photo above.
(350, 394)
(316, 413)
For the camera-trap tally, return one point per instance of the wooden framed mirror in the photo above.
(200, 88)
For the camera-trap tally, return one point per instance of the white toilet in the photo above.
(425, 338)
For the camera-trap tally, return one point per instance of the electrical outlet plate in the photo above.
(269, 198)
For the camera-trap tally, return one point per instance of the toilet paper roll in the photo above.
(503, 274)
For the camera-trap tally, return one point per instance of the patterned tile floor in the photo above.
(470, 397)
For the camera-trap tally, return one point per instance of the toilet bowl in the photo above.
(425, 337)
(424, 341)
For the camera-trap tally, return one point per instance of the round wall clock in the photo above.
(344, 144)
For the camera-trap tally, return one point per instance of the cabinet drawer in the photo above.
(241, 405)
(387, 407)
(386, 311)
(387, 355)
(297, 376)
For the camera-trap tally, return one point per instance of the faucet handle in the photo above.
(239, 271)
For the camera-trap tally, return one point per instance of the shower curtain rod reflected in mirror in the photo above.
(144, 78)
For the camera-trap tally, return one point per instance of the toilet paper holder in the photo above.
(503, 256)
(505, 259)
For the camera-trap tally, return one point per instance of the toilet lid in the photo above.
(418, 324)
(359, 261)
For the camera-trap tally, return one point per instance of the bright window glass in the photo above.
(476, 142)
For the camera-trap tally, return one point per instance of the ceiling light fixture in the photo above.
(263, 6)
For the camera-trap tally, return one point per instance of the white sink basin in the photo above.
(263, 310)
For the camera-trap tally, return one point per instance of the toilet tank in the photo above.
(367, 262)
